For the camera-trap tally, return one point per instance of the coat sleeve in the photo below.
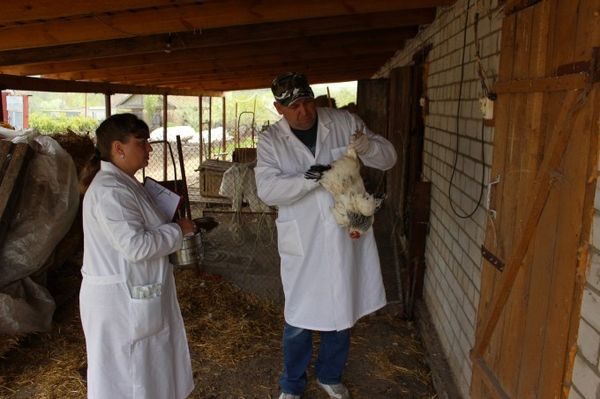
(122, 220)
(274, 187)
(381, 154)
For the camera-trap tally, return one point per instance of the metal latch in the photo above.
(493, 259)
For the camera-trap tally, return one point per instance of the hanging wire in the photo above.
(483, 78)
(462, 76)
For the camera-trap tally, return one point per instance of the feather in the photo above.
(353, 206)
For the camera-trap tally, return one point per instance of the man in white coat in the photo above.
(329, 280)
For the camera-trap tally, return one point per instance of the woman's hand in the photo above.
(187, 226)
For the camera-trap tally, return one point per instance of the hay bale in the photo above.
(79, 146)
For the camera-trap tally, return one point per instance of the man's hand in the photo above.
(315, 172)
(360, 142)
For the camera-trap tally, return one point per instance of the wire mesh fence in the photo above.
(243, 248)
(167, 164)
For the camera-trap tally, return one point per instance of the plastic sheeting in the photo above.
(47, 207)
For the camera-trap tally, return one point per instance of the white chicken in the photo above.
(353, 206)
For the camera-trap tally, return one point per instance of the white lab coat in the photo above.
(329, 280)
(135, 337)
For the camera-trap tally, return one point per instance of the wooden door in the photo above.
(545, 152)
(408, 196)
(372, 107)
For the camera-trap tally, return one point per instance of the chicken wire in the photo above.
(243, 248)
(164, 164)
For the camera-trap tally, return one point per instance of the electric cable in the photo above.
(462, 76)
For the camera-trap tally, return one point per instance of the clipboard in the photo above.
(167, 200)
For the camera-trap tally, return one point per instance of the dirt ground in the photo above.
(234, 340)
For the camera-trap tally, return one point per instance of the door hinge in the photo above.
(493, 259)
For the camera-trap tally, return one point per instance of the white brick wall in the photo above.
(453, 253)
(586, 371)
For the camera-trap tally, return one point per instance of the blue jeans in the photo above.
(297, 352)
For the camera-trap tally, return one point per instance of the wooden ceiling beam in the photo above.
(327, 64)
(275, 51)
(307, 48)
(277, 63)
(262, 81)
(188, 17)
(219, 37)
(67, 86)
(29, 10)
(371, 62)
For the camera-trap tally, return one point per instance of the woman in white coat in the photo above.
(329, 280)
(135, 337)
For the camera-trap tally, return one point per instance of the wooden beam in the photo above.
(217, 37)
(262, 79)
(331, 65)
(220, 58)
(189, 17)
(29, 10)
(67, 86)
(559, 83)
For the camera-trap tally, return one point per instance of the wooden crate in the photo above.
(244, 155)
(211, 175)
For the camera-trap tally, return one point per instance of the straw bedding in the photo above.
(234, 339)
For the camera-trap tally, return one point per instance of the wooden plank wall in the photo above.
(372, 106)
(400, 103)
(529, 354)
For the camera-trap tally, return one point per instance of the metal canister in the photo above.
(191, 252)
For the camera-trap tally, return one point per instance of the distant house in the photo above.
(97, 112)
(15, 110)
(134, 104)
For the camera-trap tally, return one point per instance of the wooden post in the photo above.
(187, 210)
(224, 145)
(253, 121)
(25, 111)
(2, 105)
(107, 105)
(200, 128)
(236, 132)
(164, 137)
(209, 127)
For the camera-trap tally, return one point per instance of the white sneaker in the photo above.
(288, 396)
(336, 391)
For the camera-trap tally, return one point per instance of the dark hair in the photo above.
(119, 127)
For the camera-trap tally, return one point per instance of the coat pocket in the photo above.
(146, 315)
(288, 238)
